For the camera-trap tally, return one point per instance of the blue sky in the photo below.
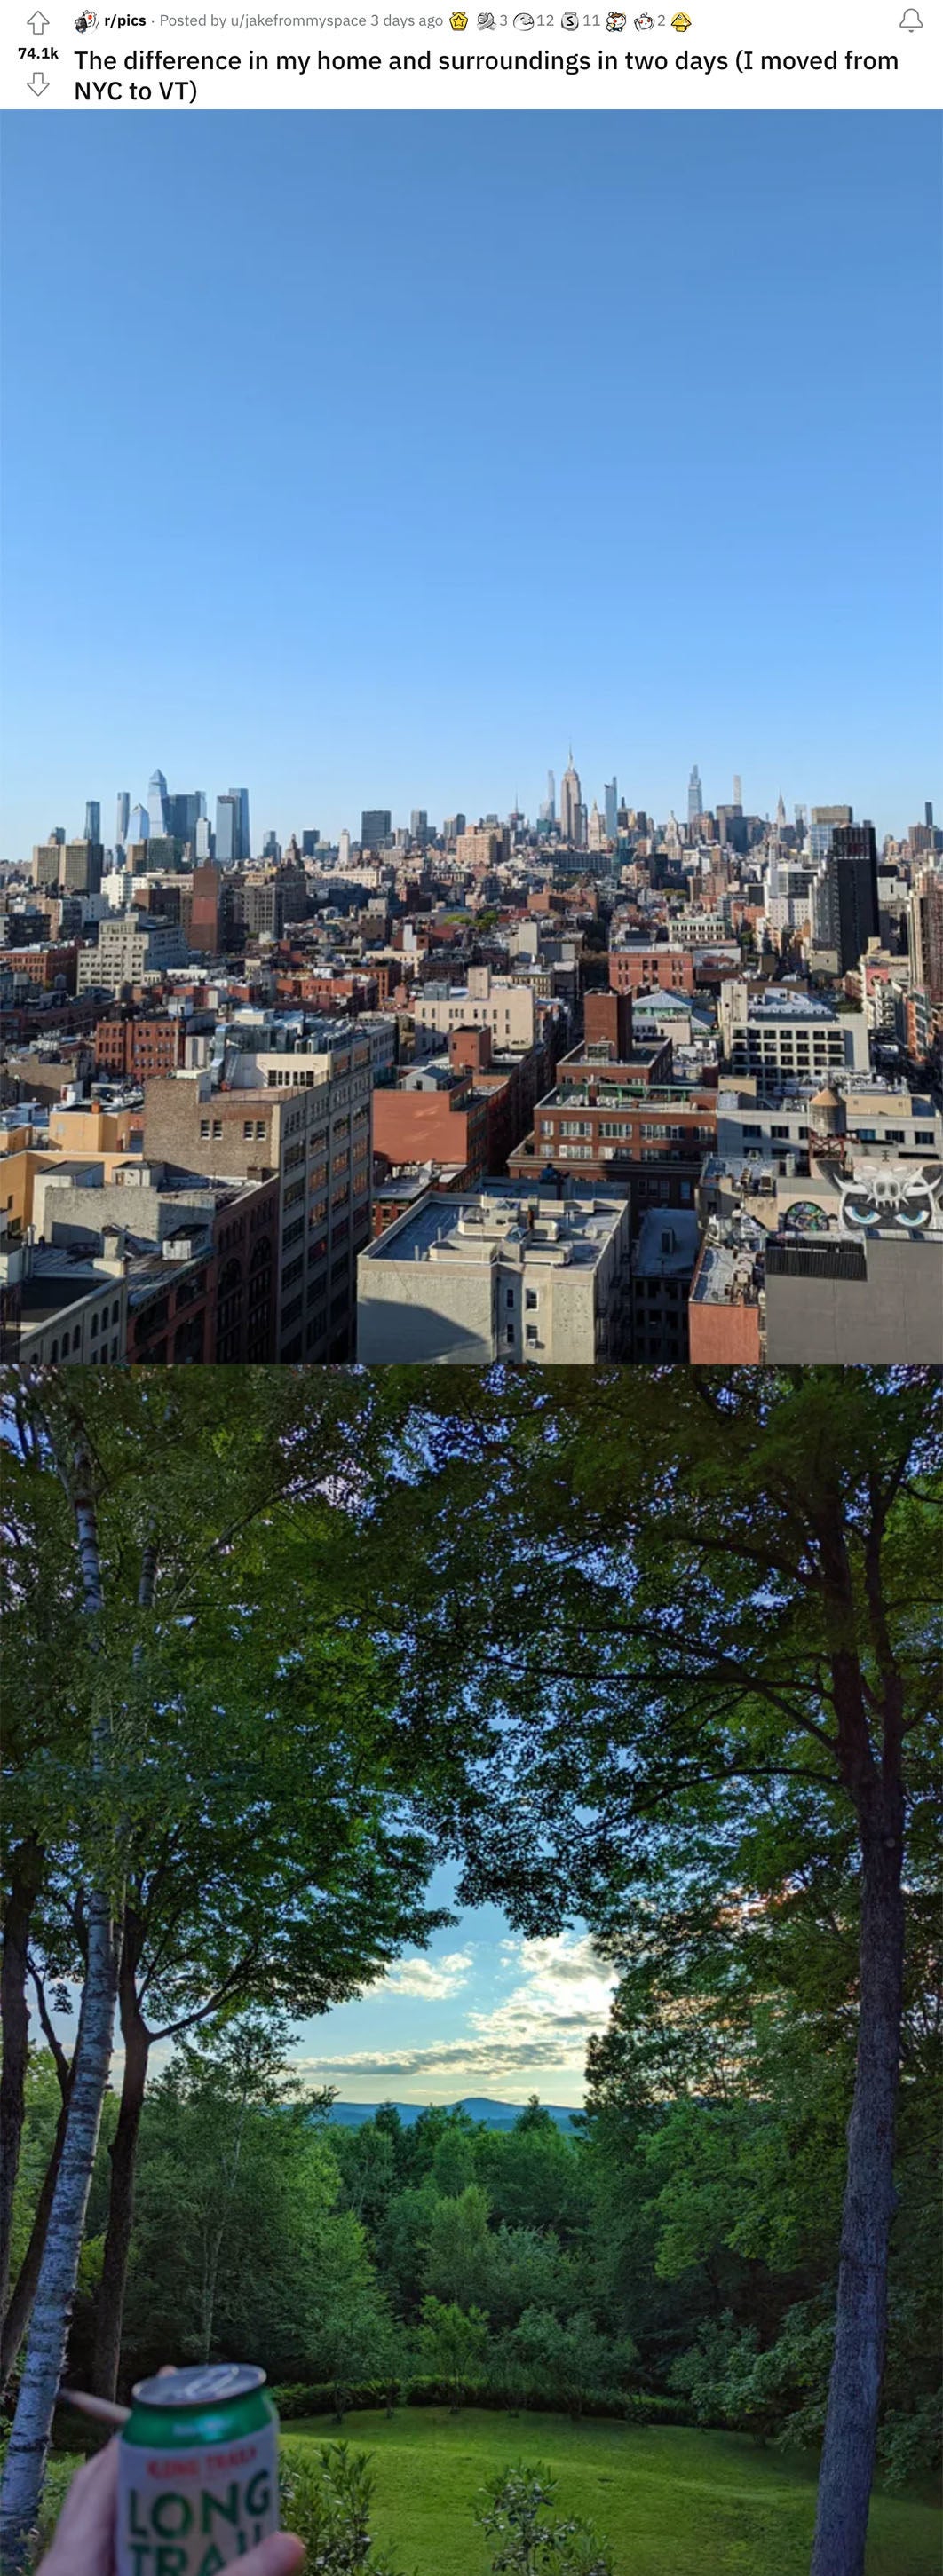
(368, 459)
(482, 2011)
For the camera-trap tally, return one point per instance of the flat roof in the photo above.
(474, 1229)
(780, 1004)
(612, 1095)
(725, 1276)
(651, 1259)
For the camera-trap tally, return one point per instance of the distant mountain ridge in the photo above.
(493, 2115)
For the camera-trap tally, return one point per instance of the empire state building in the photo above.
(571, 806)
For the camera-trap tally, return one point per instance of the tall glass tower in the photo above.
(121, 820)
(611, 793)
(695, 798)
(93, 820)
(157, 803)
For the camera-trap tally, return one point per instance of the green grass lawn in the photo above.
(671, 2502)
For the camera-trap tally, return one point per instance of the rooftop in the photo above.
(727, 1274)
(541, 1228)
(599, 1093)
(782, 1002)
(667, 1244)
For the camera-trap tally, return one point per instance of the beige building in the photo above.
(495, 1002)
(781, 1033)
(128, 951)
(500, 1275)
(489, 847)
(318, 1141)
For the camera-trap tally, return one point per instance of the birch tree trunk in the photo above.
(123, 2152)
(29, 2441)
(25, 1882)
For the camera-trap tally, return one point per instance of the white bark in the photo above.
(29, 2441)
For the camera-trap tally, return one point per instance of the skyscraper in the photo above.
(570, 803)
(93, 820)
(695, 798)
(157, 803)
(227, 830)
(121, 821)
(183, 813)
(849, 898)
(738, 792)
(419, 824)
(139, 823)
(611, 794)
(375, 824)
(925, 933)
(232, 828)
(550, 808)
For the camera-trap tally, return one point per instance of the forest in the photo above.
(657, 1658)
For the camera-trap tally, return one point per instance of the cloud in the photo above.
(430, 1979)
(472, 2058)
(562, 1993)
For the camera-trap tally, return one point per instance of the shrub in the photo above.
(517, 2511)
(327, 2501)
(320, 2397)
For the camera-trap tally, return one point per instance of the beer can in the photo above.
(197, 2471)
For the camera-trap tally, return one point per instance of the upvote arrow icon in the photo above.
(38, 83)
(37, 22)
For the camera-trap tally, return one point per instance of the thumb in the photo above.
(279, 2555)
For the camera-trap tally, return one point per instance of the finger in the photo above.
(280, 2555)
(84, 2534)
(90, 2501)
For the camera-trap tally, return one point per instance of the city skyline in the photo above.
(533, 812)
(355, 546)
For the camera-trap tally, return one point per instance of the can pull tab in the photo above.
(218, 2381)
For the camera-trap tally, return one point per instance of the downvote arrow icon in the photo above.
(38, 83)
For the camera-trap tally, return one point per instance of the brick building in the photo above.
(658, 968)
(133, 1048)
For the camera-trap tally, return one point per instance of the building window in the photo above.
(217, 1129)
(530, 1298)
(204, 1128)
(247, 1127)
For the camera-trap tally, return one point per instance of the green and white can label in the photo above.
(192, 2508)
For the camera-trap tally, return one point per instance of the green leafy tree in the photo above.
(452, 2345)
(238, 2240)
(568, 2360)
(459, 2252)
(712, 1594)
